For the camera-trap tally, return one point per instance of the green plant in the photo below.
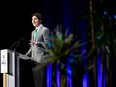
(63, 48)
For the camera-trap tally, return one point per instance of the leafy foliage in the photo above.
(63, 49)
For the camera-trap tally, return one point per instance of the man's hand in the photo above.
(33, 42)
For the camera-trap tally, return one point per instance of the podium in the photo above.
(10, 65)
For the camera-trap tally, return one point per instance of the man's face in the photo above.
(35, 21)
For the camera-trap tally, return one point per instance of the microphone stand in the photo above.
(16, 43)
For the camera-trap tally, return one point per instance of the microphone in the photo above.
(16, 43)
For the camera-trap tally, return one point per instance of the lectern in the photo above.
(10, 64)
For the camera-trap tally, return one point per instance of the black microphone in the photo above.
(16, 43)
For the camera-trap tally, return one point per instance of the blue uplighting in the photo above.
(69, 76)
(57, 75)
(99, 72)
(49, 75)
(85, 80)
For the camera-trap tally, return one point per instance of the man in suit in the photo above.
(39, 38)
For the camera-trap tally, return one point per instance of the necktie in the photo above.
(35, 33)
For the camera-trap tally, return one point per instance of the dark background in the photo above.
(16, 23)
(15, 18)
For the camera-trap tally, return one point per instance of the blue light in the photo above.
(99, 71)
(105, 12)
(69, 76)
(98, 37)
(49, 75)
(85, 80)
(57, 75)
(115, 16)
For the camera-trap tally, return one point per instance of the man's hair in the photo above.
(38, 15)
